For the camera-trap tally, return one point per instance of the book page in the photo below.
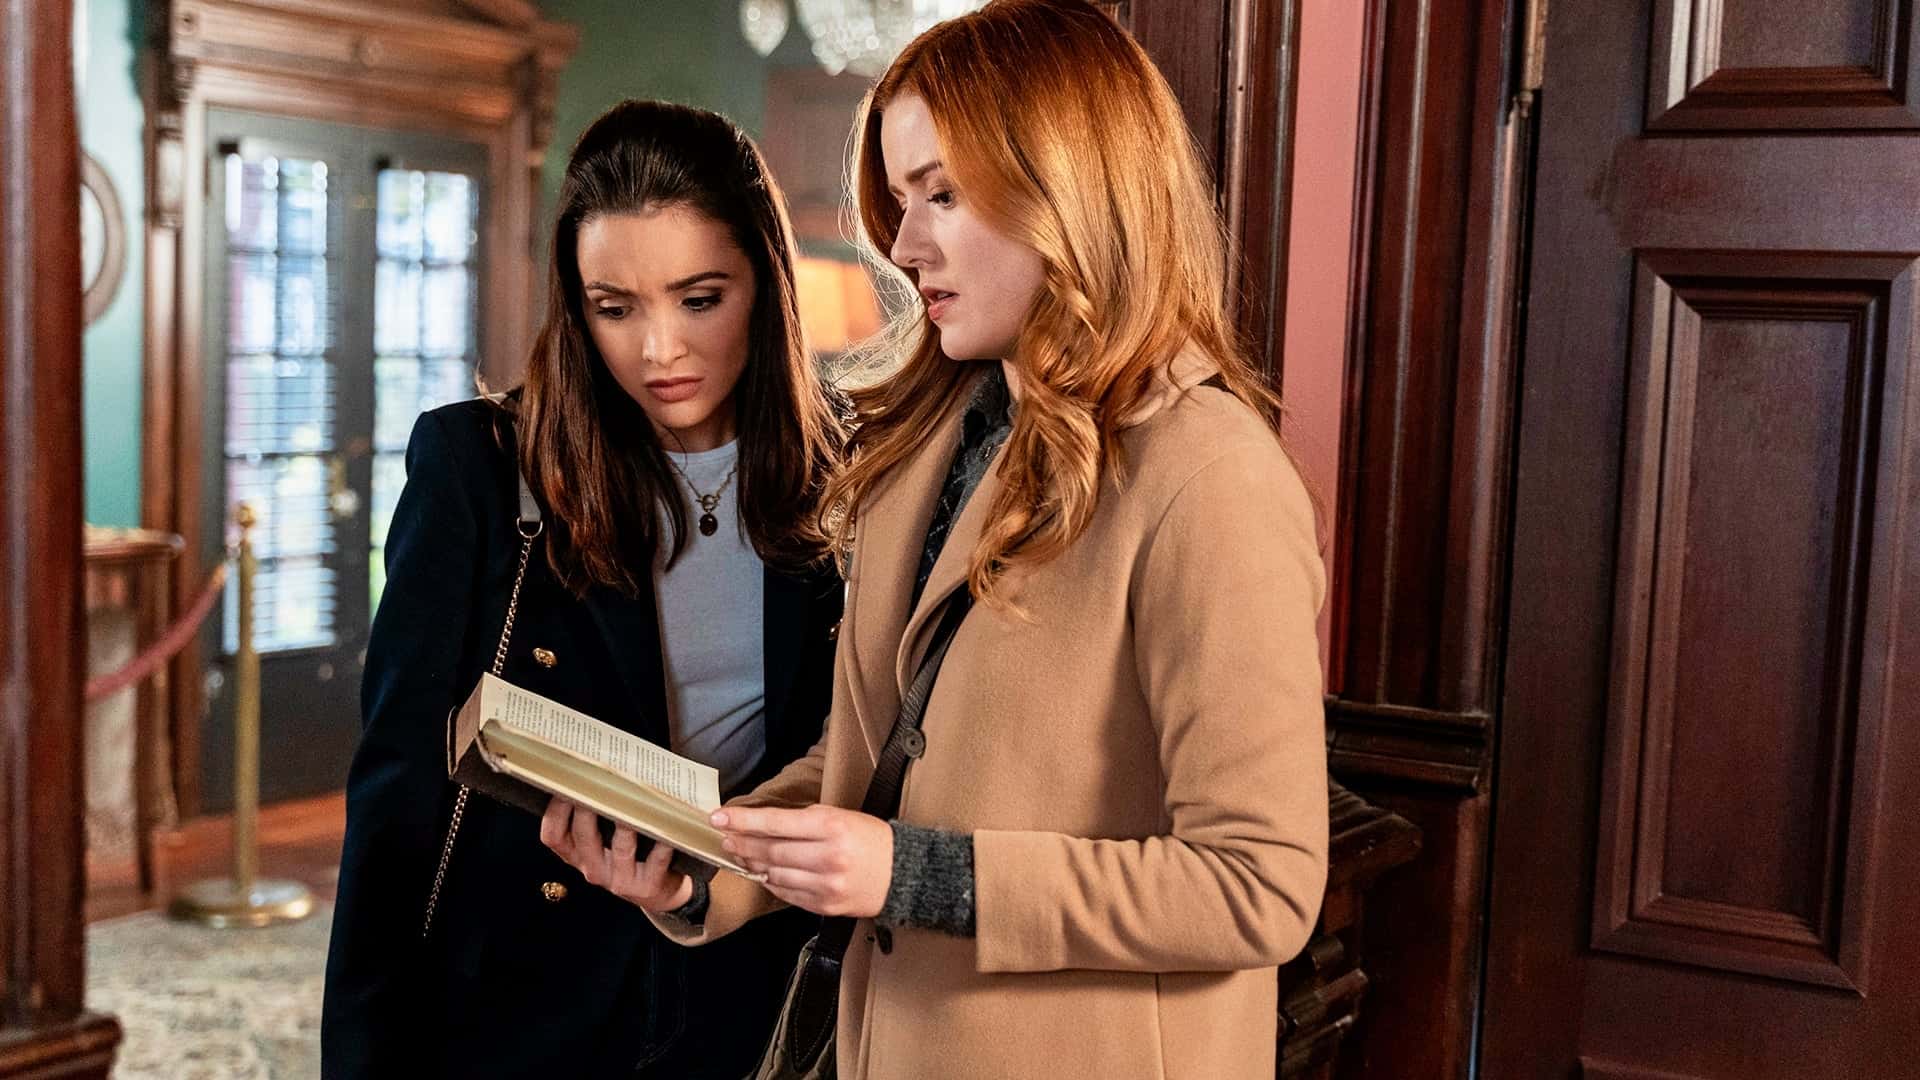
(629, 755)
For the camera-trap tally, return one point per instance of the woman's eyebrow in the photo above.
(694, 279)
(917, 175)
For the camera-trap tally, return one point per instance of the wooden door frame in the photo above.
(489, 78)
(1444, 187)
(45, 1029)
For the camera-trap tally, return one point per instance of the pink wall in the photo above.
(1326, 134)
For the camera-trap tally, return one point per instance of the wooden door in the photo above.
(342, 279)
(1704, 837)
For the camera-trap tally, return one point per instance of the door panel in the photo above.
(1777, 64)
(425, 351)
(342, 275)
(1730, 832)
(1699, 868)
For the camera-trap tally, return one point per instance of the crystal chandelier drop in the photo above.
(764, 24)
(863, 36)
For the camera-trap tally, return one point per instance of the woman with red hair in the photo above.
(1071, 503)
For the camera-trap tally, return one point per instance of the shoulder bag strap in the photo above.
(904, 744)
(529, 526)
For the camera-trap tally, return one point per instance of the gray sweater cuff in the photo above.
(932, 881)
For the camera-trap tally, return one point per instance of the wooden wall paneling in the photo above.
(488, 78)
(1427, 444)
(44, 1028)
(1428, 386)
(1698, 866)
(1754, 64)
(1600, 1069)
(1739, 791)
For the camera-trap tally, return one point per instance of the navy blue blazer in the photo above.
(512, 982)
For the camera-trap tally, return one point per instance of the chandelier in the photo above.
(861, 36)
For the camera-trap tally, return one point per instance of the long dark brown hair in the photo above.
(586, 447)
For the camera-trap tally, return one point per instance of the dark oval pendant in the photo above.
(709, 524)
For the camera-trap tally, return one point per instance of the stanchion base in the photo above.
(217, 903)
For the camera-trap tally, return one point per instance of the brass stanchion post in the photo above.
(243, 900)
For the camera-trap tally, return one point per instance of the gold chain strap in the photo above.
(499, 666)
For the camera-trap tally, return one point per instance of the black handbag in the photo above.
(802, 1047)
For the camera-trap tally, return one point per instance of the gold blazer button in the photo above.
(545, 657)
(554, 892)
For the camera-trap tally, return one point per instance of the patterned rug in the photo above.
(200, 1004)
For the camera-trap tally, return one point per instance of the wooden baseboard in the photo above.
(78, 1049)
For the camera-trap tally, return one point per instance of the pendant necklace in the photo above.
(708, 503)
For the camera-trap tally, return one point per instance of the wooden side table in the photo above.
(128, 570)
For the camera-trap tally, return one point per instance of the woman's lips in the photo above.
(672, 390)
(937, 308)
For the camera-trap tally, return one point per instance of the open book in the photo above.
(520, 748)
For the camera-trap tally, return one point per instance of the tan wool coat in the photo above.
(1140, 760)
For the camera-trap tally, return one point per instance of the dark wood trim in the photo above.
(1192, 45)
(1342, 598)
(1374, 743)
(43, 1030)
(1428, 446)
(1364, 840)
(1691, 89)
(1234, 65)
(78, 1049)
(158, 467)
(1257, 170)
(1418, 601)
(490, 79)
(1592, 1068)
(1322, 990)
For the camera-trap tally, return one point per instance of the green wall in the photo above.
(691, 53)
(111, 124)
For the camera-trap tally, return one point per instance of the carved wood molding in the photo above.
(1234, 65)
(1691, 86)
(1322, 989)
(395, 63)
(1256, 169)
(1452, 751)
(1364, 841)
(1427, 439)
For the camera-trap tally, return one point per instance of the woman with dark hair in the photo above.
(666, 454)
(1071, 809)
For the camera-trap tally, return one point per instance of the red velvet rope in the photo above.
(163, 650)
